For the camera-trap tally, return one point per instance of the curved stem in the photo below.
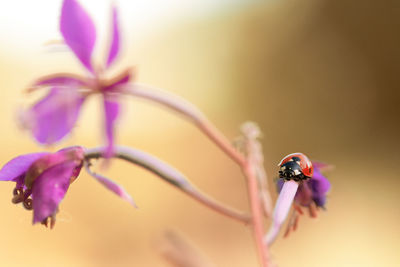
(168, 174)
(194, 115)
(191, 113)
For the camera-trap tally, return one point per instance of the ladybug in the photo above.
(296, 167)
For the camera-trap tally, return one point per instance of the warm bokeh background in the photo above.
(320, 77)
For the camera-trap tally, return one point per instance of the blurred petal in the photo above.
(53, 117)
(321, 182)
(304, 194)
(78, 31)
(281, 210)
(70, 154)
(111, 110)
(115, 41)
(319, 186)
(284, 202)
(49, 189)
(60, 79)
(18, 166)
(322, 166)
(112, 186)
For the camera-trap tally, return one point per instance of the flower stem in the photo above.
(256, 211)
(190, 112)
(168, 174)
(193, 114)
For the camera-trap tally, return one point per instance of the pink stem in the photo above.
(169, 175)
(198, 118)
(190, 112)
(257, 215)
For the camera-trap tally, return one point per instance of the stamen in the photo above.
(18, 195)
(45, 222)
(28, 204)
(51, 220)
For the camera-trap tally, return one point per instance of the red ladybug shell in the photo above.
(305, 163)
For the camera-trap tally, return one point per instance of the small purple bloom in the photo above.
(43, 179)
(312, 192)
(309, 193)
(54, 116)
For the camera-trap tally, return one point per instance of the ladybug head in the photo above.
(291, 170)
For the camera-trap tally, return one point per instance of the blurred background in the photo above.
(320, 77)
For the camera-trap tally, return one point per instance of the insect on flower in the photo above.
(43, 179)
(301, 184)
(54, 116)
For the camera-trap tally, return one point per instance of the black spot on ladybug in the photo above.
(296, 159)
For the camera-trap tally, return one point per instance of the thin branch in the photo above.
(169, 175)
(190, 112)
(194, 115)
(257, 215)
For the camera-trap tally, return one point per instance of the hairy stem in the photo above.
(168, 174)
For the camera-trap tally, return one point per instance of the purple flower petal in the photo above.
(304, 194)
(319, 186)
(60, 80)
(113, 187)
(78, 31)
(322, 166)
(54, 116)
(18, 166)
(323, 184)
(115, 41)
(49, 189)
(111, 110)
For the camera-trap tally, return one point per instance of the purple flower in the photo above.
(312, 192)
(309, 193)
(54, 116)
(42, 180)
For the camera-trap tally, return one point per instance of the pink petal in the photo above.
(18, 166)
(54, 116)
(49, 189)
(60, 80)
(111, 110)
(78, 31)
(285, 201)
(114, 187)
(322, 166)
(115, 41)
(282, 208)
